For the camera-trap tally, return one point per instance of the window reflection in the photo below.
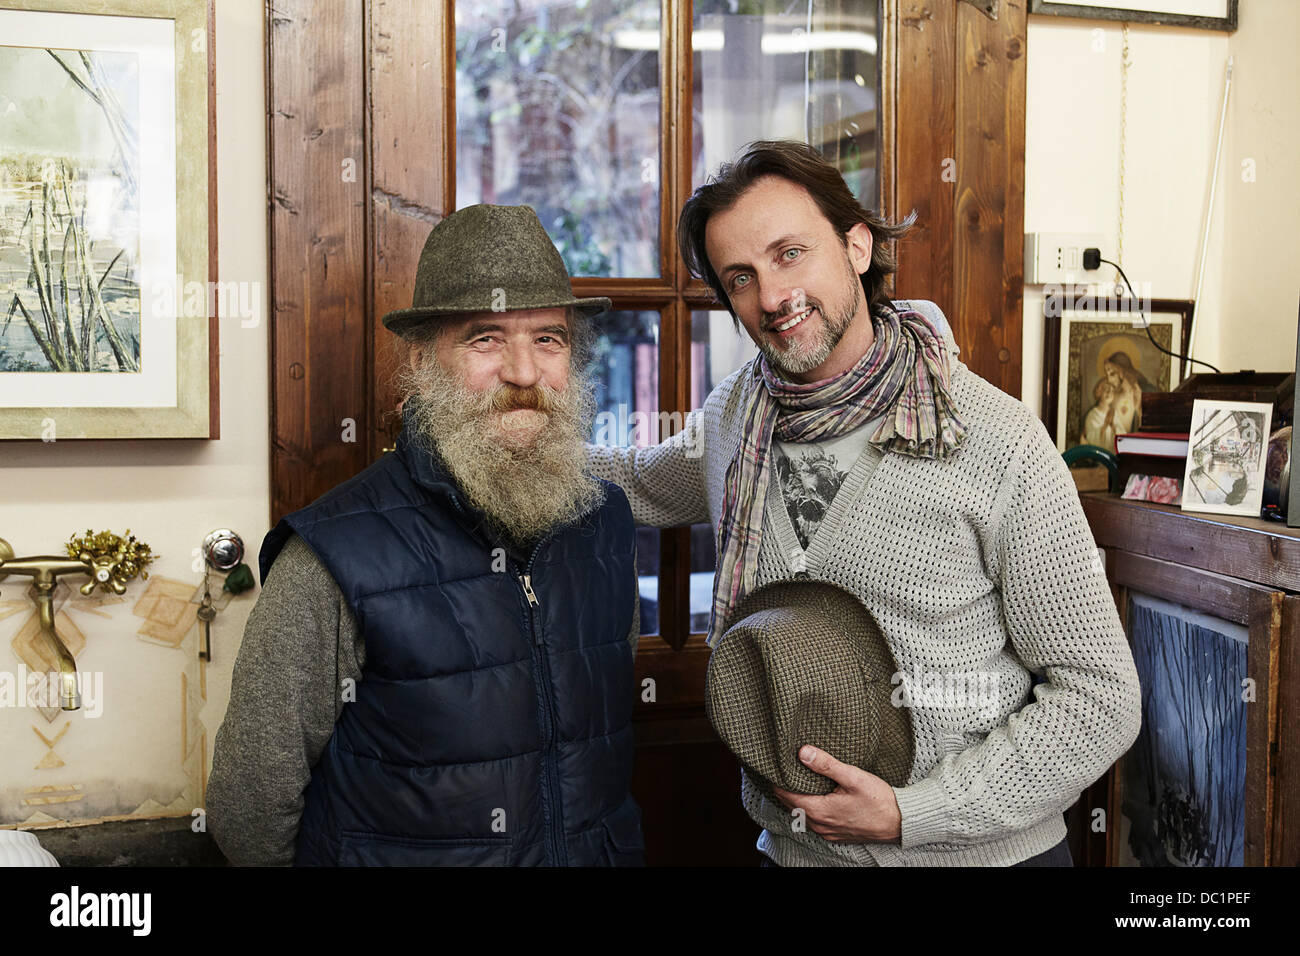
(781, 70)
(625, 367)
(558, 108)
(718, 348)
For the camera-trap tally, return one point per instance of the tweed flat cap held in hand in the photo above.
(805, 663)
(489, 259)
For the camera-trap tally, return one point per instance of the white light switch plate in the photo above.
(1057, 257)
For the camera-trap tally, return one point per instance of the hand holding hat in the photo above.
(804, 667)
(861, 809)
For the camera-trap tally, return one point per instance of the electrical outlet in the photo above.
(1057, 257)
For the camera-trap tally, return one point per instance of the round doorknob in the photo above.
(223, 549)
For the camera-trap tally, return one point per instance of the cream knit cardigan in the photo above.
(982, 572)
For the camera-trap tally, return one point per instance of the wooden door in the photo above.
(954, 150)
(361, 126)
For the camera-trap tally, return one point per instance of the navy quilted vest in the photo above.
(493, 722)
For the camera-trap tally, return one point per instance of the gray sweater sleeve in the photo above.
(664, 483)
(300, 645)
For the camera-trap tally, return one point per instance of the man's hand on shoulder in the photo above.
(862, 809)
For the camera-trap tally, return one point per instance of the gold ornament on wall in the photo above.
(113, 560)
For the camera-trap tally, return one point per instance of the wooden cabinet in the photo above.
(1242, 571)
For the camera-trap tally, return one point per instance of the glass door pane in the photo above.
(557, 107)
(804, 71)
(625, 370)
(718, 348)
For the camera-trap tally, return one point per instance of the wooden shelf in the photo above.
(1265, 552)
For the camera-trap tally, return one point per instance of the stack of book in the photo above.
(1155, 454)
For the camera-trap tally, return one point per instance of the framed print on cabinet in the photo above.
(1224, 473)
(108, 304)
(1098, 360)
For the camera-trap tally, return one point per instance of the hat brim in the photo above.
(403, 321)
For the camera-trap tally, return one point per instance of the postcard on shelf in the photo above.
(1224, 473)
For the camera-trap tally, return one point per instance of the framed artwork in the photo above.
(1098, 360)
(108, 325)
(1204, 14)
(1225, 458)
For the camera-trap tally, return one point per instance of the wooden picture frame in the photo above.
(1201, 14)
(1076, 329)
(108, 299)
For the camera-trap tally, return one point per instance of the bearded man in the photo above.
(423, 680)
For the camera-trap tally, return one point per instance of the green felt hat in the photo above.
(489, 259)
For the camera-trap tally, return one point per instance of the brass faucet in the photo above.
(44, 569)
(108, 559)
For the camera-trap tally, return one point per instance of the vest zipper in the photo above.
(552, 811)
(552, 807)
(527, 580)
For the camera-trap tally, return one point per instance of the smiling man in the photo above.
(857, 450)
(423, 681)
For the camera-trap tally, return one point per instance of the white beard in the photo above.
(524, 486)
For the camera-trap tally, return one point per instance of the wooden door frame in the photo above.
(960, 165)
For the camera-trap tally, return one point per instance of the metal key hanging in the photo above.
(223, 550)
(206, 614)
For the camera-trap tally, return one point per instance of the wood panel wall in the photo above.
(957, 116)
(412, 176)
(316, 119)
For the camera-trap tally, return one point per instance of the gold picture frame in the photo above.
(1081, 334)
(112, 332)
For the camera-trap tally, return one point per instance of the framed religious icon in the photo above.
(1100, 356)
(108, 325)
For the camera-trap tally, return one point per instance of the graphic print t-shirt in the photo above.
(810, 476)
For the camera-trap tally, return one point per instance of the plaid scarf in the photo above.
(906, 370)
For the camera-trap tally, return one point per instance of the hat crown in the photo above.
(806, 662)
(490, 258)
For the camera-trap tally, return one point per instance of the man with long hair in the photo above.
(955, 523)
(422, 681)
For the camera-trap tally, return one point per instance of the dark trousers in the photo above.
(1058, 855)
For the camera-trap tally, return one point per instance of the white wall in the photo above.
(1247, 314)
(1261, 252)
(170, 494)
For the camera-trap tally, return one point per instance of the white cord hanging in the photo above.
(1209, 208)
